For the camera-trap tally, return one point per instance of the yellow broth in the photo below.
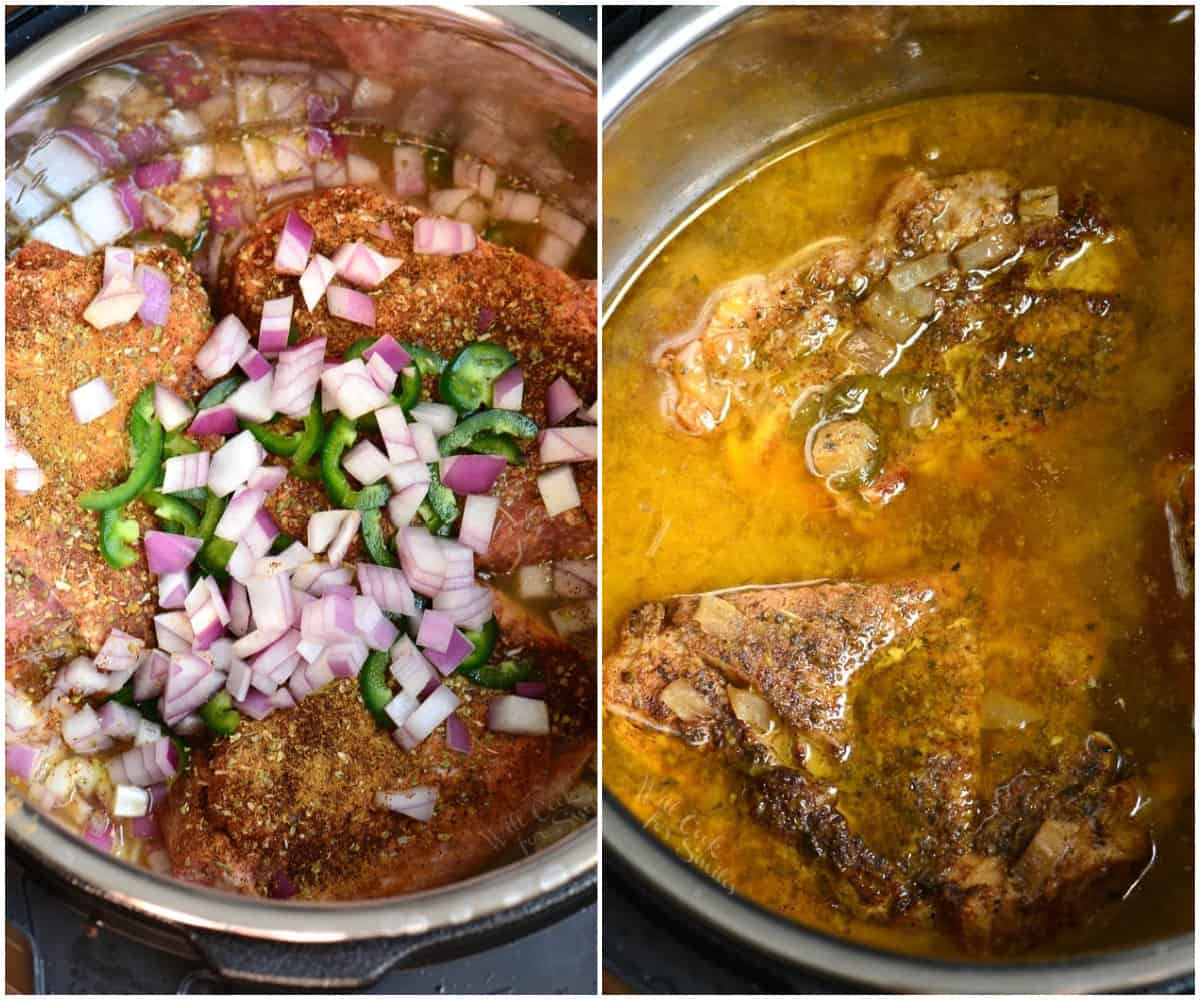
(1065, 534)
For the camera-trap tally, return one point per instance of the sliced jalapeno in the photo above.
(172, 511)
(505, 675)
(219, 714)
(466, 384)
(373, 686)
(508, 422)
(342, 434)
(487, 443)
(484, 640)
(117, 534)
(178, 443)
(428, 362)
(146, 435)
(221, 391)
(375, 540)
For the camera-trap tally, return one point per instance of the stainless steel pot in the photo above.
(519, 58)
(689, 103)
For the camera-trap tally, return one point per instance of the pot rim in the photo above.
(635, 66)
(568, 864)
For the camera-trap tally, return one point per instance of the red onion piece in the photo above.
(156, 287)
(224, 204)
(421, 559)
(469, 607)
(237, 682)
(562, 225)
(350, 305)
(239, 514)
(91, 400)
(81, 732)
(567, 444)
(434, 710)
(383, 231)
(425, 441)
(173, 632)
(354, 391)
(458, 737)
(442, 236)
(410, 668)
(142, 142)
(559, 491)
(118, 721)
(172, 589)
(151, 675)
(440, 417)
(466, 474)
(561, 400)
(286, 190)
(99, 833)
(117, 260)
(119, 652)
(402, 506)
(275, 325)
(268, 478)
(224, 346)
(215, 420)
(508, 390)
(477, 523)
(387, 587)
(382, 374)
(239, 608)
(146, 827)
(256, 705)
(170, 553)
(22, 759)
(256, 641)
(185, 472)
(416, 803)
(157, 174)
(408, 164)
(457, 649)
(271, 600)
(130, 200)
(393, 426)
(295, 242)
(117, 302)
(315, 280)
(99, 147)
(511, 713)
(319, 140)
(254, 364)
(435, 631)
(233, 463)
(297, 373)
(366, 463)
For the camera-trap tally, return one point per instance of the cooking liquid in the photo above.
(1064, 534)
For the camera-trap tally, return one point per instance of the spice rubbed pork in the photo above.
(62, 597)
(295, 793)
(545, 318)
(857, 715)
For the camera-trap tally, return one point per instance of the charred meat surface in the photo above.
(856, 713)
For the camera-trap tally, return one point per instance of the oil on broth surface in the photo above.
(1065, 534)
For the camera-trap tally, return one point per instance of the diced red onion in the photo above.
(341, 542)
(410, 668)
(131, 201)
(561, 400)
(271, 600)
(558, 490)
(442, 236)
(434, 710)
(143, 141)
(268, 478)
(156, 174)
(115, 303)
(296, 376)
(221, 351)
(350, 305)
(117, 260)
(468, 474)
(448, 201)
(478, 521)
(118, 721)
(457, 650)
(295, 242)
(458, 737)
(425, 442)
(567, 444)
(294, 556)
(416, 803)
(173, 632)
(146, 827)
(172, 589)
(239, 514)
(82, 732)
(156, 287)
(214, 420)
(438, 416)
(343, 659)
(387, 587)
(233, 463)
(408, 163)
(421, 559)
(366, 463)
(275, 325)
(185, 472)
(23, 760)
(79, 676)
(315, 279)
(409, 473)
(403, 506)
(562, 225)
(397, 438)
(400, 708)
(519, 206)
(91, 400)
(275, 655)
(101, 148)
(508, 390)
(99, 833)
(511, 713)
(256, 705)
(256, 641)
(382, 374)
(151, 675)
(119, 652)
(435, 631)
(254, 364)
